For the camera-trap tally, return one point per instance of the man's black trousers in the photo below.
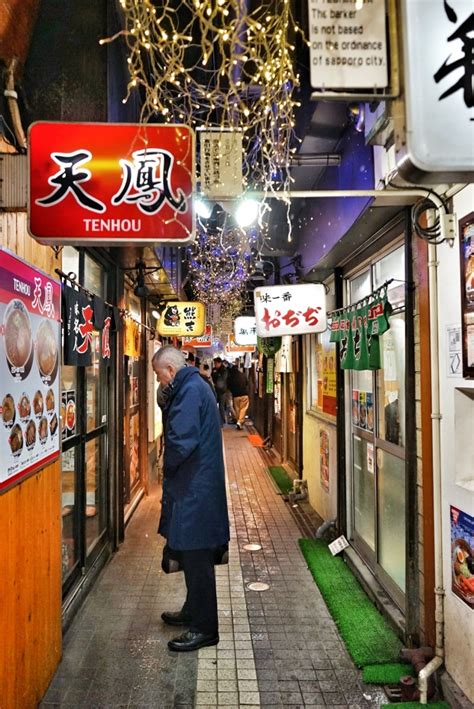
(201, 599)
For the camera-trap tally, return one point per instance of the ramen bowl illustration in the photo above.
(46, 349)
(17, 333)
(8, 411)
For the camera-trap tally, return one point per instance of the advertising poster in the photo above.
(30, 337)
(324, 459)
(68, 414)
(363, 409)
(355, 407)
(370, 411)
(329, 377)
(466, 240)
(462, 555)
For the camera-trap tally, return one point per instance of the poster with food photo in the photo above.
(30, 335)
(462, 555)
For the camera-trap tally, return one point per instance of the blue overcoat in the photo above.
(194, 505)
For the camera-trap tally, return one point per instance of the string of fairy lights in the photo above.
(226, 64)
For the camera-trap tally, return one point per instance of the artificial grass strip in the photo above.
(368, 637)
(280, 476)
(390, 673)
(256, 440)
(416, 705)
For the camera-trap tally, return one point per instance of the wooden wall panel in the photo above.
(30, 548)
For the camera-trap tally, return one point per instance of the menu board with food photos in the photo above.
(30, 336)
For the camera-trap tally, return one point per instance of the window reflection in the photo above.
(68, 499)
(95, 498)
(364, 485)
(391, 494)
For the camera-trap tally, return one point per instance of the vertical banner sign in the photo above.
(221, 163)
(439, 92)
(111, 184)
(30, 337)
(348, 47)
(462, 555)
(290, 310)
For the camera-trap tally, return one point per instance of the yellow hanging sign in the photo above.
(184, 318)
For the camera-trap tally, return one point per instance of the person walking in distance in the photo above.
(238, 387)
(194, 518)
(219, 377)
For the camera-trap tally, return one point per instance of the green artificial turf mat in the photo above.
(280, 476)
(416, 705)
(386, 674)
(368, 637)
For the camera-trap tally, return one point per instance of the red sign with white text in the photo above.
(204, 340)
(110, 183)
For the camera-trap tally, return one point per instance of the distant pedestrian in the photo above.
(219, 377)
(238, 387)
(194, 517)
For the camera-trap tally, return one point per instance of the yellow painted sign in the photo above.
(182, 318)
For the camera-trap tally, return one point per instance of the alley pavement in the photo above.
(278, 647)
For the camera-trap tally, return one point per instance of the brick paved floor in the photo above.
(278, 648)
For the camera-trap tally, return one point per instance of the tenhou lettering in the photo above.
(118, 225)
(20, 287)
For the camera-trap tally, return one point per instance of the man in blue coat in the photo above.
(194, 517)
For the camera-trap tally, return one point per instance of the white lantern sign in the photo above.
(245, 330)
(290, 310)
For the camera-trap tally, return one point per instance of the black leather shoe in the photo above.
(189, 641)
(176, 618)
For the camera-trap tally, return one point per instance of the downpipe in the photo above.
(437, 661)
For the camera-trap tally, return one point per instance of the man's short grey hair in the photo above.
(169, 355)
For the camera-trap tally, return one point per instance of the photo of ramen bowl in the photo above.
(8, 410)
(24, 407)
(53, 424)
(16, 440)
(46, 349)
(70, 415)
(50, 400)
(63, 416)
(17, 333)
(43, 429)
(30, 434)
(38, 404)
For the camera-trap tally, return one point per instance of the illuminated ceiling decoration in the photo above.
(225, 64)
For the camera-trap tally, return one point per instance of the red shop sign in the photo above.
(111, 184)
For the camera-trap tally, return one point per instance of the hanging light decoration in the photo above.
(215, 63)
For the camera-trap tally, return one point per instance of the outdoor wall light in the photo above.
(156, 314)
(203, 209)
(246, 212)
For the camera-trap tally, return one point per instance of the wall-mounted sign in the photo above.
(438, 90)
(466, 243)
(30, 341)
(185, 318)
(462, 553)
(204, 340)
(348, 44)
(245, 331)
(233, 348)
(221, 163)
(110, 184)
(290, 310)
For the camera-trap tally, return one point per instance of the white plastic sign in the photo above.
(245, 330)
(290, 310)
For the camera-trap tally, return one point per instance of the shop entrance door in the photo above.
(85, 421)
(377, 461)
(293, 390)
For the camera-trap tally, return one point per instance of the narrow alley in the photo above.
(278, 647)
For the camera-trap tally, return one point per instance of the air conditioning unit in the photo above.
(13, 182)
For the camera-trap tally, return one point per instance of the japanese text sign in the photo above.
(245, 331)
(30, 338)
(439, 92)
(186, 318)
(348, 47)
(290, 310)
(233, 348)
(104, 183)
(204, 340)
(221, 163)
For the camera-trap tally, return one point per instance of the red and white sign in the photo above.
(290, 310)
(30, 339)
(106, 183)
(204, 340)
